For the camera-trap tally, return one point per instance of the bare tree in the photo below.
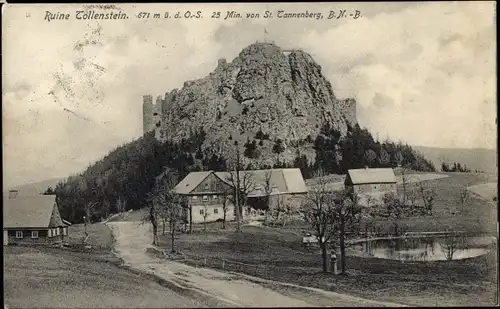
(267, 193)
(412, 197)
(394, 210)
(90, 210)
(347, 218)
(369, 200)
(226, 193)
(163, 203)
(268, 188)
(318, 212)
(464, 195)
(174, 215)
(152, 216)
(287, 213)
(120, 205)
(428, 197)
(243, 184)
(452, 242)
(205, 215)
(234, 180)
(405, 178)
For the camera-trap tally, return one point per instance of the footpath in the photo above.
(219, 288)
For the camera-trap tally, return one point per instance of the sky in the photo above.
(422, 73)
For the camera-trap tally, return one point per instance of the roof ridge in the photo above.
(284, 180)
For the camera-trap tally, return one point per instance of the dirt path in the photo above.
(232, 290)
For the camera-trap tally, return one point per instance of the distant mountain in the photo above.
(475, 158)
(35, 188)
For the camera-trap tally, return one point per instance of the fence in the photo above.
(227, 265)
(258, 270)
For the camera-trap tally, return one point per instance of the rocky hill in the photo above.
(281, 94)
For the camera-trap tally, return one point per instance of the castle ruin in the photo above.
(151, 113)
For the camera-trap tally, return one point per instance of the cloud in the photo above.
(402, 71)
(439, 72)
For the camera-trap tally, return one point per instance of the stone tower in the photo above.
(147, 114)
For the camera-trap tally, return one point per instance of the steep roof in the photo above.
(190, 182)
(29, 211)
(370, 175)
(282, 181)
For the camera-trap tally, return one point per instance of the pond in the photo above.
(442, 248)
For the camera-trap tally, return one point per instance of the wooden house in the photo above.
(32, 220)
(206, 192)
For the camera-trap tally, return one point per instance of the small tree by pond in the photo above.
(318, 212)
(394, 210)
(347, 214)
(452, 243)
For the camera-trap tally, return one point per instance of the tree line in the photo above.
(125, 178)
(456, 167)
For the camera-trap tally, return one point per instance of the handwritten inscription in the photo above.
(221, 15)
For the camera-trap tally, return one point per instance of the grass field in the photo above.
(56, 278)
(278, 255)
(488, 191)
(100, 235)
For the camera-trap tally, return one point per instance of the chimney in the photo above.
(12, 194)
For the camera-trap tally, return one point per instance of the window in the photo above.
(195, 198)
(215, 197)
(34, 234)
(50, 233)
(58, 231)
(205, 197)
(65, 231)
(206, 187)
(202, 212)
(216, 211)
(19, 234)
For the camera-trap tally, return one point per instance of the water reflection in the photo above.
(453, 247)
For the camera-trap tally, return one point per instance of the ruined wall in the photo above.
(151, 113)
(348, 108)
(147, 114)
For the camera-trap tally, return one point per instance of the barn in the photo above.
(370, 180)
(32, 220)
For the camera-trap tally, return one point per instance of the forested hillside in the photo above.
(125, 177)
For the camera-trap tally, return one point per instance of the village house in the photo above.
(32, 220)
(370, 181)
(206, 192)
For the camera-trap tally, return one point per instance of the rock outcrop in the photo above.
(283, 95)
